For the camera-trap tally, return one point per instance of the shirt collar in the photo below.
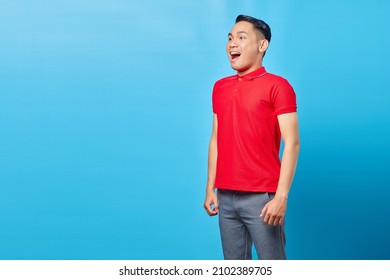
(252, 75)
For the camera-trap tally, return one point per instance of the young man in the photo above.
(253, 110)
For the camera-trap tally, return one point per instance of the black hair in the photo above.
(258, 24)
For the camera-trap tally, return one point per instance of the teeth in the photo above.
(234, 55)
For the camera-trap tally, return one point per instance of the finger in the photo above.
(263, 211)
(216, 206)
(209, 209)
(266, 218)
(206, 206)
(213, 213)
(271, 220)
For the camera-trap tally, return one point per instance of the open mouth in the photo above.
(235, 55)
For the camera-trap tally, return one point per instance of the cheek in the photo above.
(252, 52)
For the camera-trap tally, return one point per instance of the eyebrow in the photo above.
(230, 34)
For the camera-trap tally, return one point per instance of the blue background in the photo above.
(105, 118)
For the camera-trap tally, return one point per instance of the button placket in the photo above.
(236, 87)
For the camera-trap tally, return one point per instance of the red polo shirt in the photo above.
(248, 136)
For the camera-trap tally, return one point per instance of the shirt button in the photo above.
(239, 79)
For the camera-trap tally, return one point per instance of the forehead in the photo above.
(243, 26)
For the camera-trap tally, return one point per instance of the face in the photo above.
(245, 48)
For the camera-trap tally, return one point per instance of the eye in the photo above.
(242, 37)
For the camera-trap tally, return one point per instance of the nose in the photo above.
(232, 44)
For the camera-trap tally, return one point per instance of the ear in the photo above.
(263, 45)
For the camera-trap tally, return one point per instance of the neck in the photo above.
(251, 69)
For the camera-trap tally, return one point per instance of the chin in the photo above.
(239, 69)
(236, 67)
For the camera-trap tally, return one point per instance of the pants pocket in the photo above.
(270, 195)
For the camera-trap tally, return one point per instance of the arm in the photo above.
(211, 197)
(275, 210)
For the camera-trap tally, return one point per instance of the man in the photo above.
(253, 110)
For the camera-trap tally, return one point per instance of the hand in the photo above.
(211, 199)
(274, 211)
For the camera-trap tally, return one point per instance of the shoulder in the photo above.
(224, 80)
(278, 85)
(277, 80)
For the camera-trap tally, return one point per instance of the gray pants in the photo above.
(241, 226)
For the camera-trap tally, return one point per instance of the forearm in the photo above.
(211, 201)
(212, 164)
(212, 157)
(287, 169)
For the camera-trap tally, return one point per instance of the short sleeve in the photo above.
(214, 100)
(284, 98)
